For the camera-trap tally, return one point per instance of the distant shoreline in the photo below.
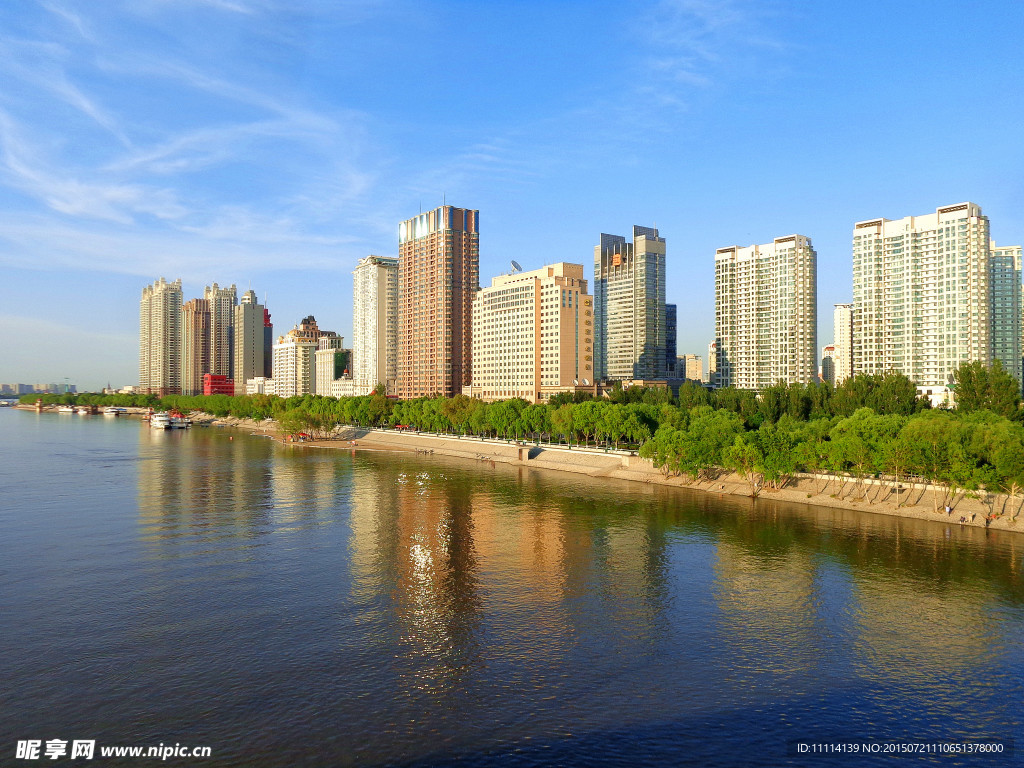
(818, 491)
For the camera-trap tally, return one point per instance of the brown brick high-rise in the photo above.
(438, 276)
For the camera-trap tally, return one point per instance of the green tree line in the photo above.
(868, 427)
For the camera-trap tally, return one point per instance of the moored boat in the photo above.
(160, 420)
(65, 409)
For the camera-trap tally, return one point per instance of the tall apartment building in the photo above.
(712, 375)
(922, 294)
(249, 342)
(1005, 299)
(195, 356)
(766, 313)
(533, 335)
(842, 352)
(375, 324)
(294, 359)
(629, 303)
(438, 276)
(222, 328)
(160, 338)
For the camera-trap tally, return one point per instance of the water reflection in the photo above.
(443, 602)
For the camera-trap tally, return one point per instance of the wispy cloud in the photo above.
(688, 43)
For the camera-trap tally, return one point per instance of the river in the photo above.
(283, 605)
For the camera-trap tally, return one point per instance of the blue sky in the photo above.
(273, 143)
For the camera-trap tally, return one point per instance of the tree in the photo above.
(978, 387)
(745, 457)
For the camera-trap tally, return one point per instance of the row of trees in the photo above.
(767, 437)
(954, 453)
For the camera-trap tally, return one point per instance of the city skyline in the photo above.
(209, 138)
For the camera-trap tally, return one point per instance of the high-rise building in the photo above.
(222, 328)
(766, 313)
(670, 340)
(294, 359)
(438, 276)
(195, 356)
(160, 338)
(922, 301)
(712, 375)
(842, 353)
(533, 335)
(1005, 298)
(827, 372)
(249, 340)
(375, 324)
(629, 306)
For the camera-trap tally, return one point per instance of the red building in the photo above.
(218, 385)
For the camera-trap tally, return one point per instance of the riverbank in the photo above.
(821, 491)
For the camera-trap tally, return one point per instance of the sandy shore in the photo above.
(822, 491)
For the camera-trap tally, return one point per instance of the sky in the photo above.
(273, 143)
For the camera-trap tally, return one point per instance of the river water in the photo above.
(291, 606)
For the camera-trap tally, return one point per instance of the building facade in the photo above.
(629, 306)
(692, 368)
(438, 276)
(827, 371)
(766, 313)
(922, 300)
(533, 335)
(375, 324)
(842, 353)
(222, 328)
(670, 340)
(331, 361)
(295, 358)
(160, 338)
(195, 356)
(1005, 299)
(249, 341)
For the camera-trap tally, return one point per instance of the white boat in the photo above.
(114, 411)
(65, 409)
(166, 420)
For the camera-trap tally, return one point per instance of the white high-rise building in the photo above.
(766, 311)
(533, 335)
(842, 352)
(922, 301)
(375, 324)
(1005, 296)
(630, 339)
(160, 339)
(222, 328)
(295, 359)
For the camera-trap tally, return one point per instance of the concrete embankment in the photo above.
(915, 502)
